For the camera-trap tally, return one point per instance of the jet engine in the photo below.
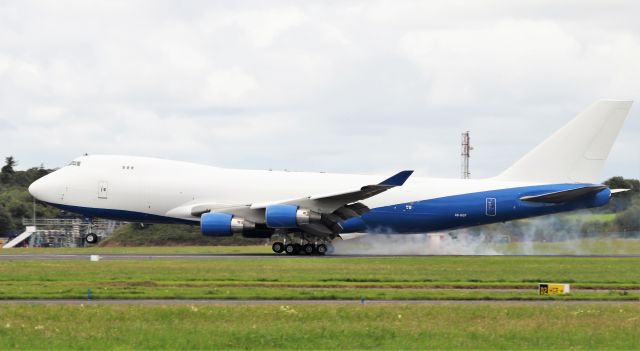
(289, 216)
(223, 224)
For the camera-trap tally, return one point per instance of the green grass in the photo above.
(598, 217)
(439, 277)
(501, 326)
(160, 291)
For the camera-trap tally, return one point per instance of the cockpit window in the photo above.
(74, 163)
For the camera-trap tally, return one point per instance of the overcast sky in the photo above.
(340, 86)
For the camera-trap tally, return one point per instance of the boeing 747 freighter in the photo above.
(302, 212)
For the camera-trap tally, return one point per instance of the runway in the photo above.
(187, 302)
(137, 256)
(111, 256)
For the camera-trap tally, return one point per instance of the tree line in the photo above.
(15, 201)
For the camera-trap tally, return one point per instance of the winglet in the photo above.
(398, 179)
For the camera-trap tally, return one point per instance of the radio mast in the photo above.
(465, 154)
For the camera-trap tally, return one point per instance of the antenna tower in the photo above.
(465, 154)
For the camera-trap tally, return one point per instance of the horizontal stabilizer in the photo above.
(617, 191)
(565, 195)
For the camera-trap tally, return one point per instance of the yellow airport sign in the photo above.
(553, 289)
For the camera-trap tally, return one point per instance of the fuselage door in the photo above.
(102, 190)
(490, 207)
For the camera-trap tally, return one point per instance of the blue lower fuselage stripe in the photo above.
(437, 214)
(468, 210)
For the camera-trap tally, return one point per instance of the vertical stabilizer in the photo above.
(577, 151)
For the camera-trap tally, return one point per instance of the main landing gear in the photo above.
(301, 245)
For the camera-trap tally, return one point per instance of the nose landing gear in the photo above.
(91, 238)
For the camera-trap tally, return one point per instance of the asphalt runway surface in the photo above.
(106, 256)
(188, 302)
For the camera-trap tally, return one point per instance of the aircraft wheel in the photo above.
(91, 238)
(290, 249)
(277, 247)
(321, 249)
(309, 249)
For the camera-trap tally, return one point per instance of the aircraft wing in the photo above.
(330, 202)
(332, 207)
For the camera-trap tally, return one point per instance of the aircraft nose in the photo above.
(38, 189)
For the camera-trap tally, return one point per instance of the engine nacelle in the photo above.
(289, 216)
(223, 224)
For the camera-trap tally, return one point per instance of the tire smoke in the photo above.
(572, 234)
(414, 244)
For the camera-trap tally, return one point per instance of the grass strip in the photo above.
(495, 326)
(318, 278)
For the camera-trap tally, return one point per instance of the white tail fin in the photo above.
(576, 152)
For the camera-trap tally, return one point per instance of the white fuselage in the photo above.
(158, 187)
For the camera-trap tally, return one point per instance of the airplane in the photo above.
(302, 212)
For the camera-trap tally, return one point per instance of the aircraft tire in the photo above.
(290, 249)
(321, 249)
(91, 238)
(309, 249)
(277, 247)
